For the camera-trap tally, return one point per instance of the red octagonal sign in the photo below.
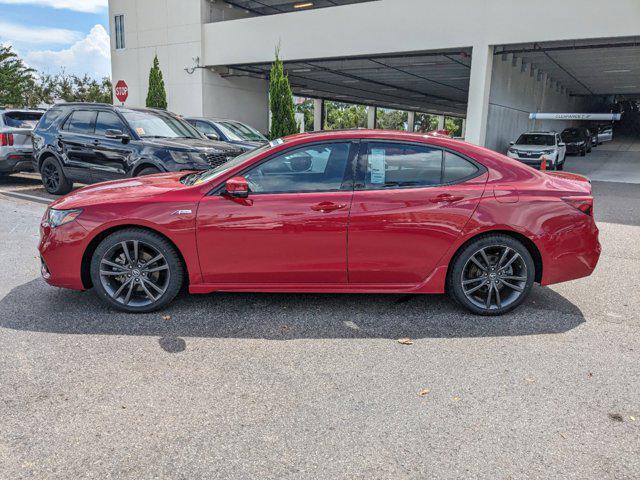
(122, 91)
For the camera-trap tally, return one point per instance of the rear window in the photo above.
(21, 119)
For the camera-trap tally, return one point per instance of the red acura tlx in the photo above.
(351, 211)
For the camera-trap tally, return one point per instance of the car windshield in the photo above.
(240, 132)
(151, 124)
(535, 139)
(208, 175)
(22, 119)
(572, 134)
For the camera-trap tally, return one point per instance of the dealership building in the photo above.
(492, 63)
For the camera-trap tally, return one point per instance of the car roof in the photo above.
(540, 133)
(214, 119)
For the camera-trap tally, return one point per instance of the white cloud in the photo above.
(89, 55)
(13, 32)
(89, 6)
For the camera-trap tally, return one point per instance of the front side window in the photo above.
(81, 121)
(390, 165)
(205, 128)
(108, 121)
(119, 28)
(313, 168)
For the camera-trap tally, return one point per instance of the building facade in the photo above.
(490, 62)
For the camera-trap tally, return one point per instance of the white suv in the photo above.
(531, 147)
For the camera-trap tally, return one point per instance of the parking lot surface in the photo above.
(317, 386)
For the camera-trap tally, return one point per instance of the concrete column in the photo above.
(411, 121)
(440, 122)
(318, 114)
(464, 128)
(371, 117)
(479, 90)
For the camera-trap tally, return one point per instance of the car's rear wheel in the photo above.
(583, 152)
(53, 177)
(136, 270)
(492, 275)
(148, 171)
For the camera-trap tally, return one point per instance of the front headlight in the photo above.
(548, 151)
(55, 218)
(512, 150)
(186, 157)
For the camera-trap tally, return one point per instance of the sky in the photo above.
(55, 35)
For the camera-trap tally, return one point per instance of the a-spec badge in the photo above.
(182, 212)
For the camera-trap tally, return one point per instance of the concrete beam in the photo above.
(318, 114)
(440, 122)
(371, 117)
(479, 89)
(411, 121)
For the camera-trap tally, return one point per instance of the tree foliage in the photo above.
(341, 116)
(157, 95)
(425, 122)
(387, 119)
(283, 121)
(306, 108)
(453, 125)
(16, 79)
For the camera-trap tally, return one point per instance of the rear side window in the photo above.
(81, 121)
(457, 168)
(390, 165)
(108, 121)
(49, 117)
(21, 119)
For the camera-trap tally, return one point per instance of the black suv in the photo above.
(88, 143)
(578, 140)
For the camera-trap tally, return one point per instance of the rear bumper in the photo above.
(17, 161)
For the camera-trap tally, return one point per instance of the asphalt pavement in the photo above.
(276, 386)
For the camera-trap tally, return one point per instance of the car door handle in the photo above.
(326, 207)
(446, 198)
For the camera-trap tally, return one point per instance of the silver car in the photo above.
(532, 147)
(15, 139)
(605, 133)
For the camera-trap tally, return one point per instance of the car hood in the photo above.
(249, 144)
(190, 143)
(128, 189)
(533, 148)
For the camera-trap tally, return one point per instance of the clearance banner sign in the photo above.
(575, 116)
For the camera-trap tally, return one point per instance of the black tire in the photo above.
(583, 152)
(517, 264)
(589, 150)
(148, 171)
(53, 178)
(561, 166)
(133, 290)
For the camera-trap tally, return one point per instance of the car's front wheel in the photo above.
(136, 270)
(492, 275)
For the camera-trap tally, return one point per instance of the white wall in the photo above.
(515, 94)
(172, 30)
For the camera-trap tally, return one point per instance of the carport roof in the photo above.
(273, 7)
(586, 67)
(430, 82)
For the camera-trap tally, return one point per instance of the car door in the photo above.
(410, 204)
(75, 141)
(111, 154)
(292, 228)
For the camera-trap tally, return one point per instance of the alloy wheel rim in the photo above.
(134, 273)
(51, 176)
(494, 277)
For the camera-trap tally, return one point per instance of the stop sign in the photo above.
(122, 91)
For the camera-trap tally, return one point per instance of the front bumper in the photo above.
(574, 148)
(535, 162)
(17, 161)
(61, 250)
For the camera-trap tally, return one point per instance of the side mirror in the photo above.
(118, 135)
(512, 143)
(212, 136)
(237, 187)
(562, 144)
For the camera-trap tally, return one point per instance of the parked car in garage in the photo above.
(16, 150)
(577, 140)
(88, 143)
(230, 131)
(355, 211)
(593, 132)
(605, 133)
(532, 147)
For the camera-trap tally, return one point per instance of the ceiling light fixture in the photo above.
(623, 70)
(303, 5)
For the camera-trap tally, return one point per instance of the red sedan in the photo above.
(352, 211)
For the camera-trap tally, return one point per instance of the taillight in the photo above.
(584, 204)
(6, 139)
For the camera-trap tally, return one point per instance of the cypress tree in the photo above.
(157, 95)
(283, 120)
